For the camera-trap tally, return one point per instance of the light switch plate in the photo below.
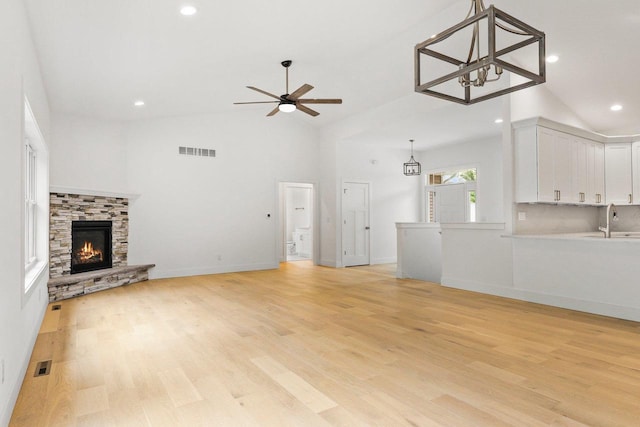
(522, 216)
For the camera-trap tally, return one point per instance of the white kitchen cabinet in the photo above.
(635, 171)
(618, 173)
(588, 168)
(588, 172)
(581, 179)
(596, 194)
(543, 165)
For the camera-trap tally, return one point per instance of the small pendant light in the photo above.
(412, 168)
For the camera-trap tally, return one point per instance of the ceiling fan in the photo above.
(288, 103)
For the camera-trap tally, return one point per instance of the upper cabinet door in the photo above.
(582, 181)
(635, 170)
(546, 176)
(563, 167)
(595, 191)
(543, 166)
(557, 167)
(618, 175)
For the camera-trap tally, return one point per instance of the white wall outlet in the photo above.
(522, 216)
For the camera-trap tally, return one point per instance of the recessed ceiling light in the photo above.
(139, 103)
(498, 121)
(551, 59)
(188, 10)
(616, 107)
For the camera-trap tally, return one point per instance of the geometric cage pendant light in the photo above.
(412, 167)
(483, 62)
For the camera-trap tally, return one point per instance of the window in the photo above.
(35, 166)
(450, 195)
(30, 206)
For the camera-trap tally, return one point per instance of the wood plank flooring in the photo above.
(313, 346)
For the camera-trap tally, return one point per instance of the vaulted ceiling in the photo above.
(98, 57)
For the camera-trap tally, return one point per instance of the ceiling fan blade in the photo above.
(256, 102)
(299, 92)
(264, 92)
(307, 110)
(320, 101)
(274, 111)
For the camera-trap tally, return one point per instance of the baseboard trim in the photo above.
(329, 263)
(388, 260)
(593, 307)
(157, 273)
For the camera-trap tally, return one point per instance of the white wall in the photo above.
(328, 194)
(20, 317)
(486, 156)
(200, 215)
(394, 197)
(88, 154)
(477, 258)
(538, 101)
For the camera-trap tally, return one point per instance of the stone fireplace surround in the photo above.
(66, 207)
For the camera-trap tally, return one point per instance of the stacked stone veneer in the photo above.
(65, 287)
(65, 208)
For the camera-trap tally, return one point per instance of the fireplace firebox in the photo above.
(90, 246)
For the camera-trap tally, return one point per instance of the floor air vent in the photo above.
(56, 307)
(43, 368)
(193, 151)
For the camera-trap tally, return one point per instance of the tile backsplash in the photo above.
(547, 219)
(628, 218)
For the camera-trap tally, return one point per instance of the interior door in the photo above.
(355, 224)
(451, 203)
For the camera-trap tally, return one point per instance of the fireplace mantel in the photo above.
(87, 192)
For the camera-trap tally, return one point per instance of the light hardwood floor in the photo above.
(313, 346)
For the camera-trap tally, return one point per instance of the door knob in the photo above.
(367, 228)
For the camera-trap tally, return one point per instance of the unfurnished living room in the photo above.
(287, 213)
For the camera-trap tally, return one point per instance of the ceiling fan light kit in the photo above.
(479, 68)
(290, 102)
(287, 107)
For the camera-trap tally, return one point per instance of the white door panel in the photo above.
(451, 203)
(355, 224)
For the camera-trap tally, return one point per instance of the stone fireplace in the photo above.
(87, 233)
(65, 209)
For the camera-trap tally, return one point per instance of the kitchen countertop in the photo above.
(624, 236)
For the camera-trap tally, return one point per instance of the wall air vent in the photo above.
(193, 151)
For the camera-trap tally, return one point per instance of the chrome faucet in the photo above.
(607, 230)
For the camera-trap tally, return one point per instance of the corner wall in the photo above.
(20, 316)
(198, 215)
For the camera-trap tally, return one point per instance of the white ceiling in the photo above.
(97, 57)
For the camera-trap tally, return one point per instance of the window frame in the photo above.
(430, 206)
(30, 206)
(35, 215)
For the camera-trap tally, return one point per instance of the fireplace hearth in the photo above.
(90, 245)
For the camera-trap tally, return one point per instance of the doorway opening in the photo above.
(296, 221)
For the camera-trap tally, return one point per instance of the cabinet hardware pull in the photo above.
(630, 198)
